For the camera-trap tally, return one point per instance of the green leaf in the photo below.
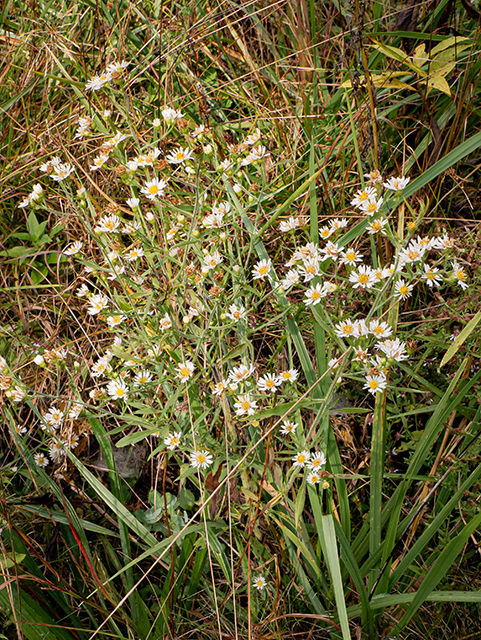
(461, 338)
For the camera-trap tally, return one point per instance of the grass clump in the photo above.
(239, 365)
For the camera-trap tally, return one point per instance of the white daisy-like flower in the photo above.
(253, 138)
(292, 278)
(289, 375)
(371, 206)
(338, 223)
(376, 226)
(173, 441)
(345, 329)
(108, 224)
(245, 406)
(100, 367)
(74, 411)
(220, 388)
(171, 115)
(54, 418)
(317, 461)
(375, 383)
(99, 162)
(362, 278)
(143, 377)
(331, 250)
(460, 274)
(289, 225)
(394, 349)
(259, 583)
(288, 427)
(133, 202)
(314, 294)
(363, 195)
(41, 459)
(114, 321)
(360, 328)
(201, 459)
(147, 159)
(269, 382)
(309, 269)
(261, 269)
(396, 184)
(313, 478)
(380, 329)
(325, 232)
(242, 372)
(154, 188)
(56, 451)
(301, 459)
(134, 254)
(350, 257)
(213, 221)
(165, 323)
(61, 172)
(118, 389)
(444, 242)
(185, 370)
(179, 155)
(198, 131)
(403, 289)
(236, 313)
(361, 355)
(212, 260)
(98, 302)
(97, 82)
(73, 248)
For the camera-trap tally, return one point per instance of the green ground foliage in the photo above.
(239, 321)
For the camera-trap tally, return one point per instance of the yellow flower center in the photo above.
(184, 372)
(153, 189)
(246, 405)
(315, 295)
(200, 458)
(301, 459)
(403, 290)
(263, 270)
(363, 278)
(373, 384)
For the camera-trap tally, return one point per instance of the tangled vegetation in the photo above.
(239, 359)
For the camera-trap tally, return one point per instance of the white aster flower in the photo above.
(259, 583)
(288, 427)
(292, 278)
(179, 155)
(289, 375)
(360, 329)
(345, 329)
(99, 161)
(97, 82)
(371, 206)
(432, 276)
(97, 303)
(134, 254)
(402, 289)
(460, 274)
(185, 370)
(143, 377)
(242, 372)
(253, 138)
(394, 349)
(171, 115)
(362, 278)
(154, 188)
(326, 232)
(114, 321)
(380, 329)
(360, 197)
(317, 461)
(350, 257)
(220, 388)
(41, 459)
(301, 458)
(375, 383)
(314, 294)
(118, 389)
(73, 248)
(173, 441)
(289, 225)
(396, 184)
(313, 478)
(269, 382)
(331, 250)
(201, 459)
(376, 226)
(236, 313)
(108, 224)
(309, 269)
(212, 260)
(245, 405)
(133, 202)
(261, 269)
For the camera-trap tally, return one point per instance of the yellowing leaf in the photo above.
(453, 42)
(439, 82)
